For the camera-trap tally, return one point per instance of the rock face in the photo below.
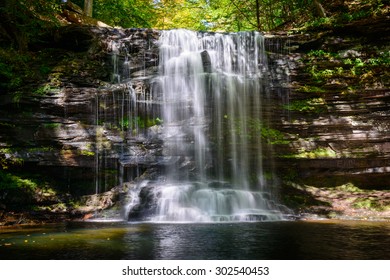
(94, 124)
(337, 111)
(335, 114)
(78, 121)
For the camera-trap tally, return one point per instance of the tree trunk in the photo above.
(258, 15)
(11, 24)
(88, 7)
(319, 9)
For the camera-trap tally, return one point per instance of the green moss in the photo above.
(322, 54)
(309, 89)
(9, 158)
(51, 125)
(313, 154)
(312, 105)
(290, 175)
(13, 69)
(3, 124)
(42, 90)
(383, 59)
(348, 17)
(256, 129)
(349, 187)
(9, 181)
(370, 203)
(320, 23)
(87, 153)
(138, 123)
(40, 149)
(273, 136)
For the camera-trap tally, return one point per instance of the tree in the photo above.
(320, 10)
(190, 14)
(125, 13)
(88, 4)
(261, 15)
(22, 20)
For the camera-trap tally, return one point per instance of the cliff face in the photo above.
(81, 129)
(337, 114)
(70, 127)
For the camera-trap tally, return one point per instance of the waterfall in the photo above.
(211, 88)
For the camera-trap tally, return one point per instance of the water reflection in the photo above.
(269, 240)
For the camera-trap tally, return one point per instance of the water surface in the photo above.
(263, 240)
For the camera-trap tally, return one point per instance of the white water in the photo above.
(211, 88)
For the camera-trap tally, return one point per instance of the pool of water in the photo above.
(263, 240)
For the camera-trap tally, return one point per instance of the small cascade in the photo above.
(211, 88)
(121, 114)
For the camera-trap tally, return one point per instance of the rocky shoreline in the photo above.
(342, 203)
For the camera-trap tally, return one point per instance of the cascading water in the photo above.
(211, 88)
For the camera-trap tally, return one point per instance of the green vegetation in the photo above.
(310, 88)
(13, 69)
(124, 13)
(370, 203)
(349, 187)
(8, 158)
(139, 123)
(25, 191)
(274, 136)
(255, 129)
(351, 70)
(313, 154)
(87, 153)
(9, 181)
(222, 15)
(51, 125)
(312, 105)
(23, 21)
(212, 15)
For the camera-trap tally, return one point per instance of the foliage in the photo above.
(13, 69)
(211, 15)
(127, 13)
(23, 20)
(366, 67)
(86, 153)
(313, 154)
(123, 13)
(273, 136)
(10, 181)
(228, 15)
(313, 105)
(349, 187)
(8, 158)
(139, 123)
(262, 15)
(255, 130)
(23, 190)
(370, 203)
(309, 88)
(42, 90)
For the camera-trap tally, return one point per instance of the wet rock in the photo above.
(146, 207)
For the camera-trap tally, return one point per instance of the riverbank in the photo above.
(345, 202)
